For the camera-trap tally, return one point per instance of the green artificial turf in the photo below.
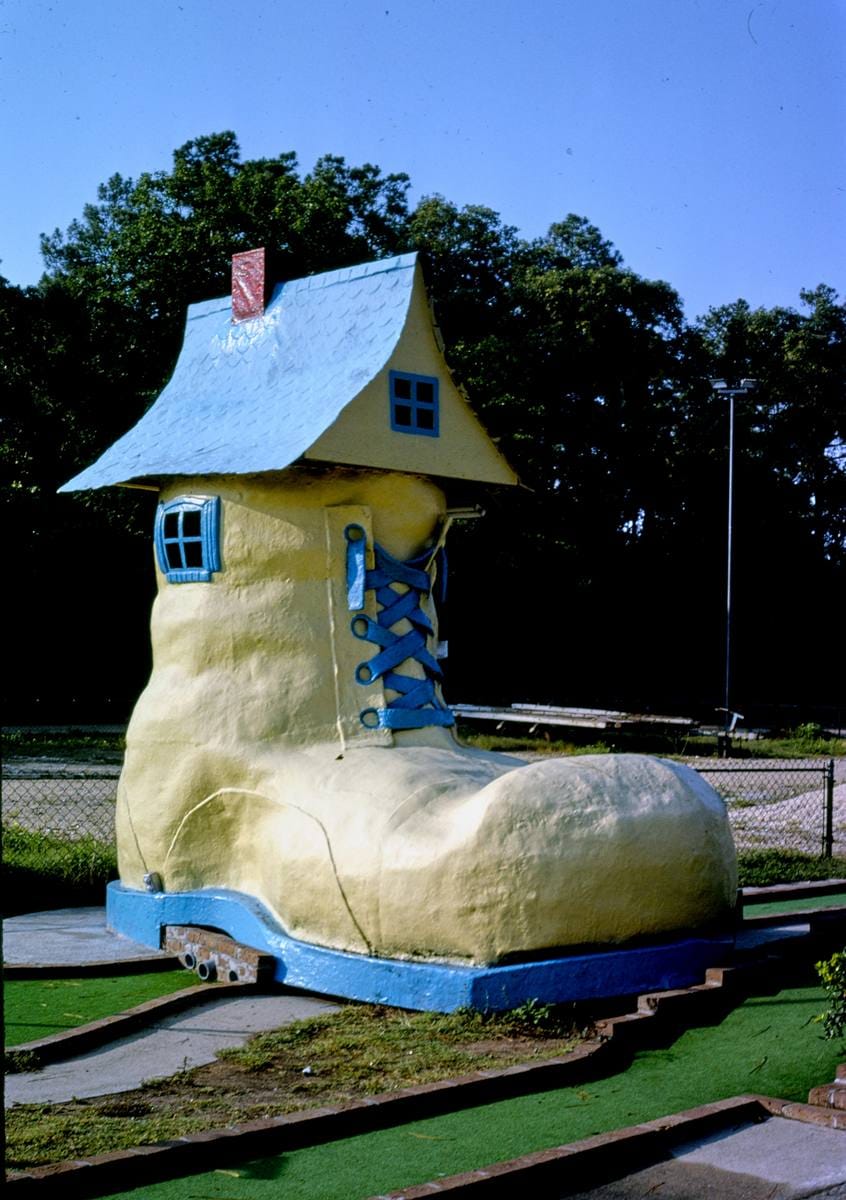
(35, 1008)
(789, 906)
(770, 1044)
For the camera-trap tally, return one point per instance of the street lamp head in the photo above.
(739, 389)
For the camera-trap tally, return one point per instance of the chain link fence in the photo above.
(66, 809)
(781, 806)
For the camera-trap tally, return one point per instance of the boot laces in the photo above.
(400, 588)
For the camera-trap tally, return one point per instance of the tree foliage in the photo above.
(586, 372)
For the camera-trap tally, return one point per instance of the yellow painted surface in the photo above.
(247, 766)
(362, 434)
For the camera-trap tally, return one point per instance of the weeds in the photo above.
(765, 868)
(20, 1060)
(531, 1015)
(797, 745)
(808, 741)
(65, 742)
(41, 870)
(362, 1044)
(80, 861)
(535, 745)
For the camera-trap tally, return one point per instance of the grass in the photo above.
(35, 1008)
(797, 904)
(43, 871)
(67, 743)
(769, 1044)
(82, 860)
(799, 744)
(808, 741)
(345, 1043)
(357, 1051)
(535, 745)
(765, 868)
(791, 746)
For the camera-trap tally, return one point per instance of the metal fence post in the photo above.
(828, 821)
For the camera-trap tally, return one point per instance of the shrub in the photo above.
(44, 871)
(832, 972)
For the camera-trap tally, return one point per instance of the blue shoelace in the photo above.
(417, 703)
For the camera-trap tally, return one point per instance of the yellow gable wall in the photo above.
(362, 434)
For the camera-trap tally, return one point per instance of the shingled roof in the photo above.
(256, 395)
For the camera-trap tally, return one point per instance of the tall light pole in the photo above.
(723, 388)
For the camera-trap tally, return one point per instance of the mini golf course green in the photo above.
(35, 1008)
(798, 904)
(770, 1045)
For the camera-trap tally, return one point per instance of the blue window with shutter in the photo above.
(414, 403)
(187, 538)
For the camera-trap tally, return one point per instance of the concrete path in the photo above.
(796, 1155)
(78, 936)
(777, 1159)
(173, 1044)
(65, 936)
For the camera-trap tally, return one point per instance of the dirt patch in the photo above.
(303, 1076)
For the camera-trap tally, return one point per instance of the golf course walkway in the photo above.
(172, 1044)
(768, 1043)
(78, 939)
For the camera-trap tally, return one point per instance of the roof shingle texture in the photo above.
(255, 396)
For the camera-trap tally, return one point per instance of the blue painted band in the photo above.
(434, 986)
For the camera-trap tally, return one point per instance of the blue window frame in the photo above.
(188, 538)
(414, 403)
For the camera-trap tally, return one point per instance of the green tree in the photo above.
(790, 486)
(609, 561)
(65, 627)
(573, 362)
(150, 247)
(84, 354)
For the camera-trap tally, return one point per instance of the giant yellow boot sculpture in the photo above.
(292, 776)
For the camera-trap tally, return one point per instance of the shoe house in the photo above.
(291, 776)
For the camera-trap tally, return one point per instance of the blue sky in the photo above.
(706, 138)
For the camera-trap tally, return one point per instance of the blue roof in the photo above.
(255, 396)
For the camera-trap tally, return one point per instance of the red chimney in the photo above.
(247, 284)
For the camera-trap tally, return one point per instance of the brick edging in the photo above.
(607, 1156)
(107, 966)
(792, 891)
(811, 1114)
(797, 916)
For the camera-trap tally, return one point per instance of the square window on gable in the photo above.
(187, 537)
(414, 404)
